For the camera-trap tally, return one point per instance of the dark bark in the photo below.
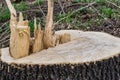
(107, 69)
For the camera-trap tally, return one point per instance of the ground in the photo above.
(87, 15)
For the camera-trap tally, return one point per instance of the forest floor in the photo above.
(86, 15)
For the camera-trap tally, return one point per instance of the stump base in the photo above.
(89, 56)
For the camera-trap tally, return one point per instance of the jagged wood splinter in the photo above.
(38, 38)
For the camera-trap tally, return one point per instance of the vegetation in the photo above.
(39, 2)
(83, 17)
(31, 24)
(75, 17)
(82, 14)
(5, 14)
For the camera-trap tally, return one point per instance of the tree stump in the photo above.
(83, 56)
(88, 56)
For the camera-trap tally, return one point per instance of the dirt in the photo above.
(112, 27)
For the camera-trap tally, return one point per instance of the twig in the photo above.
(5, 33)
(77, 4)
(4, 23)
(101, 15)
(75, 12)
(5, 29)
(11, 8)
(113, 4)
(62, 8)
(31, 10)
(41, 9)
(3, 39)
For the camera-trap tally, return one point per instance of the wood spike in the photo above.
(38, 41)
(13, 35)
(13, 22)
(48, 34)
(35, 27)
(13, 16)
(20, 36)
(20, 22)
(65, 38)
(11, 8)
(20, 16)
(35, 23)
(49, 18)
(39, 26)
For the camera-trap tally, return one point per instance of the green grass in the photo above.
(74, 17)
(107, 11)
(5, 14)
(21, 7)
(31, 24)
(5, 28)
(104, 10)
(0, 8)
(39, 2)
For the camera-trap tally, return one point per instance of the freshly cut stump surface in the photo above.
(88, 56)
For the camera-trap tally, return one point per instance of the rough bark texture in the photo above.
(108, 69)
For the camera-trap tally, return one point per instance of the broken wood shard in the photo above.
(22, 42)
(20, 22)
(48, 34)
(13, 35)
(20, 37)
(38, 38)
(50, 39)
(65, 38)
(11, 8)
